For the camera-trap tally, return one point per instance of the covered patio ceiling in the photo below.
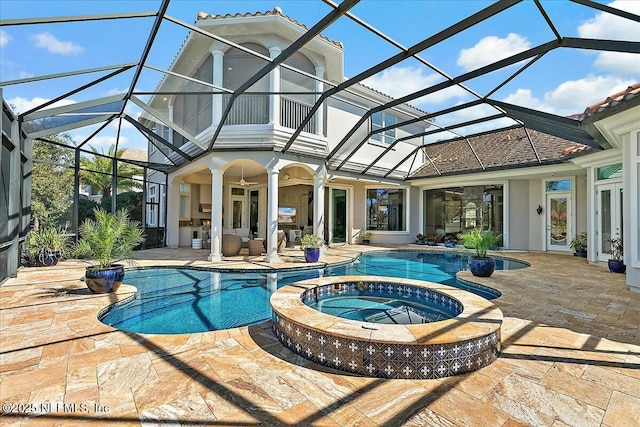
(90, 116)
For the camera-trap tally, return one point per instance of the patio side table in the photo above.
(256, 246)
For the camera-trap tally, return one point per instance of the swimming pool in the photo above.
(187, 300)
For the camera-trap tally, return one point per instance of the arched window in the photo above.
(291, 81)
(294, 107)
(239, 67)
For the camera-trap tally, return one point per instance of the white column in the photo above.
(218, 74)
(318, 203)
(272, 215)
(274, 86)
(319, 116)
(173, 213)
(216, 215)
(631, 182)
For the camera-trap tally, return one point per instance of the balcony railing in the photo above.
(254, 110)
(293, 112)
(247, 110)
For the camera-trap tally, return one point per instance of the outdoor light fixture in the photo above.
(539, 210)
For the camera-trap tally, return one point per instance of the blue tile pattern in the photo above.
(386, 360)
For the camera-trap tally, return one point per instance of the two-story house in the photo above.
(254, 176)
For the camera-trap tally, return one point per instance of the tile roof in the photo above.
(509, 148)
(613, 100)
(276, 11)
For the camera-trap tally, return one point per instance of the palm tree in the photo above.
(97, 171)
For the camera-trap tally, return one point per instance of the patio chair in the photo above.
(244, 234)
(231, 244)
(282, 240)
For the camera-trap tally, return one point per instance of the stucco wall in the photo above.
(536, 197)
(581, 213)
(520, 211)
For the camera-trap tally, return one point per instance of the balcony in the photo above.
(254, 110)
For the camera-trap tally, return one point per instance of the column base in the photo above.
(214, 258)
(271, 259)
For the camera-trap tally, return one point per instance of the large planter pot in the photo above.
(104, 280)
(616, 266)
(312, 254)
(47, 259)
(449, 245)
(482, 266)
(580, 254)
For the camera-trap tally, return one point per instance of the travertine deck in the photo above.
(571, 356)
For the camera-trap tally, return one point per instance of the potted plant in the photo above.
(579, 245)
(365, 237)
(616, 265)
(47, 245)
(107, 239)
(420, 239)
(481, 265)
(450, 241)
(311, 245)
(433, 240)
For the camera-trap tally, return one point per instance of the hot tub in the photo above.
(464, 342)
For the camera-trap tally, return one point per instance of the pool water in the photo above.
(187, 300)
(376, 307)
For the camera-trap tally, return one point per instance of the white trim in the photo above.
(350, 209)
(572, 222)
(633, 163)
(505, 215)
(600, 158)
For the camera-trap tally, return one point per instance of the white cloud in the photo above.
(491, 49)
(608, 26)
(399, 81)
(22, 105)
(53, 45)
(25, 75)
(116, 91)
(4, 38)
(611, 27)
(525, 98)
(618, 62)
(571, 97)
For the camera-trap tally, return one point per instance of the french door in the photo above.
(609, 217)
(558, 221)
(338, 216)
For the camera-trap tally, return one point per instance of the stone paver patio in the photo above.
(571, 356)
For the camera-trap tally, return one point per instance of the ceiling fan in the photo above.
(242, 181)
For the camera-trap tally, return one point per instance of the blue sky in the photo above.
(562, 82)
